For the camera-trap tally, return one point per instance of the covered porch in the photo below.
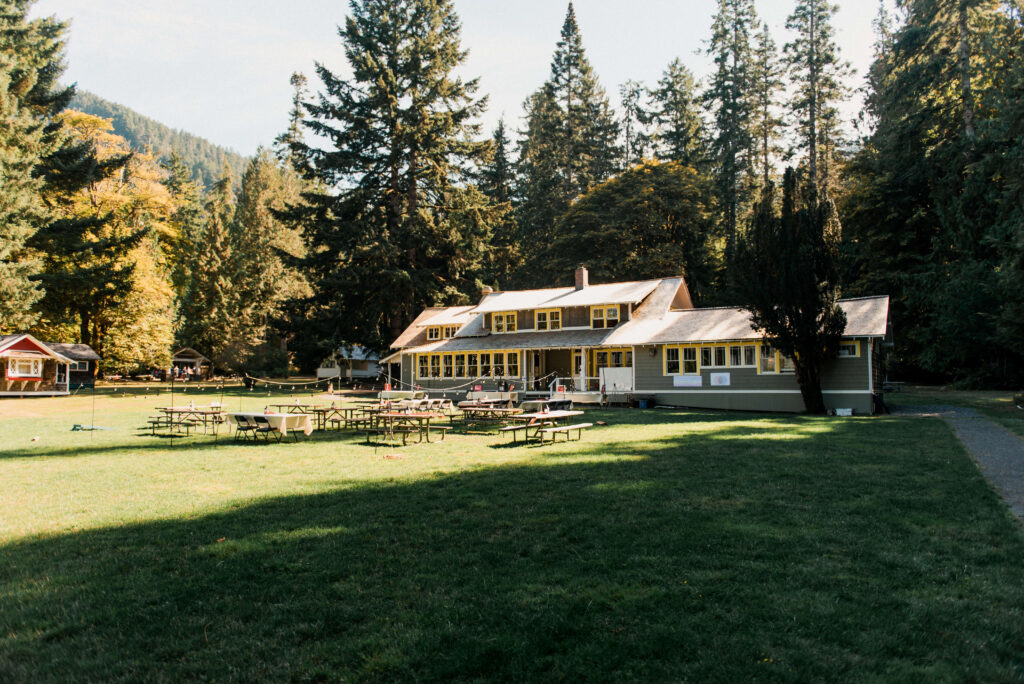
(581, 374)
(30, 368)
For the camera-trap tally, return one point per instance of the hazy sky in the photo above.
(220, 68)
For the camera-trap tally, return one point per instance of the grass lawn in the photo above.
(669, 545)
(996, 405)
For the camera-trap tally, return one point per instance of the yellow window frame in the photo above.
(682, 358)
(505, 317)
(849, 356)
(548, 318)
(604, 309)
(434, 333)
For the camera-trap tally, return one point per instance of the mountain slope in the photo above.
(204, 158)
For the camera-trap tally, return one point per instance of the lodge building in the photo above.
(640, 339)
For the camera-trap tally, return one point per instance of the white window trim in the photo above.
(35, 369)
(434, 333)
(78, 366)
(682, 359)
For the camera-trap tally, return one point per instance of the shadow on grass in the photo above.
(684, 558)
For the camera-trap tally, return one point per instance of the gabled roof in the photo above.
(559, 297)
(26, 345)
(75, 352)
(189, 353)
(865, 317)
(451, 315)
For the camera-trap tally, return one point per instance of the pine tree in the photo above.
(497, 182)
(767, 84)
(635, 118)
(818, 76)
(285, 143)
(675, 113)
(31, 62)
(729, 98)
(569, 143)
(187, 222)
(788, 279)
(403, 230)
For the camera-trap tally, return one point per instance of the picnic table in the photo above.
(295, 408)
(279, 422)
(176, 416)
(335, 414)
(531, 424)
(390, 422)
(489, 412)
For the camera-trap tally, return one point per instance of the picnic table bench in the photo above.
(565, 430)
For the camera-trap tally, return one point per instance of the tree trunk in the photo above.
(84, 327)
(809, 379)
(966, 94)
(812, 119)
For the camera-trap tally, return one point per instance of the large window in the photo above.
(25, 368)
(460, 365)
(498, 360)
(449, 331)
(435, 366)
(504, 322)
(512, 364)
(604, 316)
(548, 319)
(472, 369)
(447, 365)
(423, 370)
(485, 365)
(768, 360)
(682, 360)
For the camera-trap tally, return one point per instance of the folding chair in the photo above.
(264, 428)
(243, 427)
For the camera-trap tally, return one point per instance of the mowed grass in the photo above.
(669, 545)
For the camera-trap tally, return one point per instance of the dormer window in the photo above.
(503, 322)
(604, 316)
(449, 331)
(548, 319)
(434, 333)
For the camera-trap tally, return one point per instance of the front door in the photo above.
(537, 371)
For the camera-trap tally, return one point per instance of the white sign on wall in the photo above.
(686, 381)
(720, 379)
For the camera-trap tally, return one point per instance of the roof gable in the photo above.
(26, 343)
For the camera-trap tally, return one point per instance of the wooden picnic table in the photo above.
(414, 420)
(334, 414)
(537, 420)
(295, 408)
(493, 413)
(208, 416)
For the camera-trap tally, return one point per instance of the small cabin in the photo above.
(30, 368)
(349, 363)
(81, 372)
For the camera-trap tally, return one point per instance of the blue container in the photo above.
(642, 403)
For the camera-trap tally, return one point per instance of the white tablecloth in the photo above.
(282, 422)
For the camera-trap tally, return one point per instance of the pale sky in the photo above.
(219, 68)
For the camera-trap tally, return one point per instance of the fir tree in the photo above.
(635, 118)
(788, 279)
(817, 74)
(767, 84)
(497, 183)
(403, 230)
(729, 96)
(285, 143)
(675, 113)
(569, 143)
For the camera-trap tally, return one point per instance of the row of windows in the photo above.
(503, 364)
(690, 359)
(551, 319)
(441, 332)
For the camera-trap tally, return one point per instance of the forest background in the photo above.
(382, 195)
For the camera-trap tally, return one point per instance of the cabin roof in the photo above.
(561, 297)
(75, 352)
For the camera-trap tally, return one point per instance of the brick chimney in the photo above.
(582, 277)
(486, 290)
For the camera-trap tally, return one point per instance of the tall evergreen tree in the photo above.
(818, 75)
(635, 118)
(788, 279)
(401, 229)
(569, 143)
(31, 64)
(285, 143)
(729, 98)
(675, 114)
(497, 182)
(766, 76)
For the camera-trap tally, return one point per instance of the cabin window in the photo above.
(447, 365)
(460, 365)
(705, 356)
(768, 361)
(485, 365)
(504, 322)
(600, 360)
(435, 366)
(690, 366)
(25, 368)
(604, 316)
(742, 355)
(750, 356)
(434, 332)
(720, 356)
(848, 350)
(471, 365)
(512, 364)
(735, 356)
(79, 366)
(499, 365)
(449, 331)
(424, 366)
(786, 364)
(548, 319)
(672, 360)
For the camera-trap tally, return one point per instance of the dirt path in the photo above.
(998, 452)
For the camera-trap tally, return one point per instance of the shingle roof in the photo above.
(451, 315)
(75, 352)
(557, 297)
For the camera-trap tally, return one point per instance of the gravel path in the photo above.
(998, 452)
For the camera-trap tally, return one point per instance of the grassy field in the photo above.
(669, 545)
(998, 406)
